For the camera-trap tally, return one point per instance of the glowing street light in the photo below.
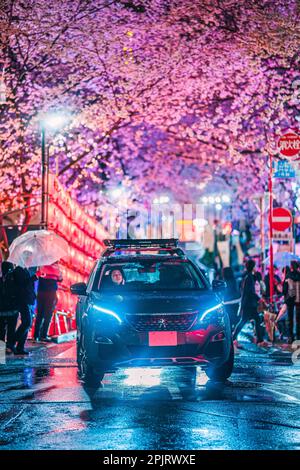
(161, 200)
(164, 199)
(116, 193)
(226, 199)
(217, 200)
(200, 223)
(54, 120)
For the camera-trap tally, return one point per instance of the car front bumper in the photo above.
(122, 346)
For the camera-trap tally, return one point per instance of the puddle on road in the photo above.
(50, 375)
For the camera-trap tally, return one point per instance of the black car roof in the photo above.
(130, 259)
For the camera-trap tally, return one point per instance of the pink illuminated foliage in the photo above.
(162, 93)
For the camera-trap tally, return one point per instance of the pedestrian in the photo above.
(291, 292)
(8, 306)
(260, 286)
(282, 314)
(277, 284)
(249, 304)
(280, 320)
(48, 276)
(232, 296)
(260, 290)
(26, 298)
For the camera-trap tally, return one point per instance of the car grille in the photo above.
(162, 321)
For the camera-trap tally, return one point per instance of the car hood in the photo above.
(166, 302)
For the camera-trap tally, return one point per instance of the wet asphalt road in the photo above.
(43, 406)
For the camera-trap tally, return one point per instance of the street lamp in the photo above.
(161, 200)
(116, 193)
(226, 199)
(54, 121)
(51, 121)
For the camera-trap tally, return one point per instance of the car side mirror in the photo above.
(79, 288)
(219, 285)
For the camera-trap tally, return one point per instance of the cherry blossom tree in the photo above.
(164, 95)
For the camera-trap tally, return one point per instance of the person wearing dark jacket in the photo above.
(291, 291)
(9, 312)
(26, 298)
(49, 276)
(249, 303)
(231, 296)
(277, 285)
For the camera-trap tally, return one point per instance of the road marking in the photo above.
(11, 420)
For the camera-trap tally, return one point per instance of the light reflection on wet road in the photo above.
(43, 406)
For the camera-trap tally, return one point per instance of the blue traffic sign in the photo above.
(283, 169)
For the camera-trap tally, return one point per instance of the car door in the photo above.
(83, 299)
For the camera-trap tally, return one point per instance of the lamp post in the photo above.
(49, 122)
(271, 274)
(45, 168)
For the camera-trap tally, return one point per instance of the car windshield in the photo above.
(149, 275)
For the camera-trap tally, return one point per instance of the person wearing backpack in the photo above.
(8, 306)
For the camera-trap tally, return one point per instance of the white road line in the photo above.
(11, 420)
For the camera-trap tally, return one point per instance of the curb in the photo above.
(65, 337)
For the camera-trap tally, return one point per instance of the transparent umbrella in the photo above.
(282, 259)
(37, 248)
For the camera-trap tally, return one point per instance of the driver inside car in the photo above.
(117, 277)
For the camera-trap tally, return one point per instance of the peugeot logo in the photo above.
(162, 324)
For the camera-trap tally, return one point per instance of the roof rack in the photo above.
(142, 243)
(127, 246)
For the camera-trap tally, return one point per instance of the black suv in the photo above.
(147, 304)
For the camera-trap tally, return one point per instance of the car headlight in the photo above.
(212, 316)
(106, 311)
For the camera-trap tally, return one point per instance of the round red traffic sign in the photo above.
(289, 144)
(282, 219)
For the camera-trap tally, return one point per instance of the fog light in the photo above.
(218, 337)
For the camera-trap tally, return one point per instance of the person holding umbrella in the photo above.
(41, 248)
(37, 248)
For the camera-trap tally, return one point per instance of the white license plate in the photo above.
(163, 338)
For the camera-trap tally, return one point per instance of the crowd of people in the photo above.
(22, 291)
(250, 301)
